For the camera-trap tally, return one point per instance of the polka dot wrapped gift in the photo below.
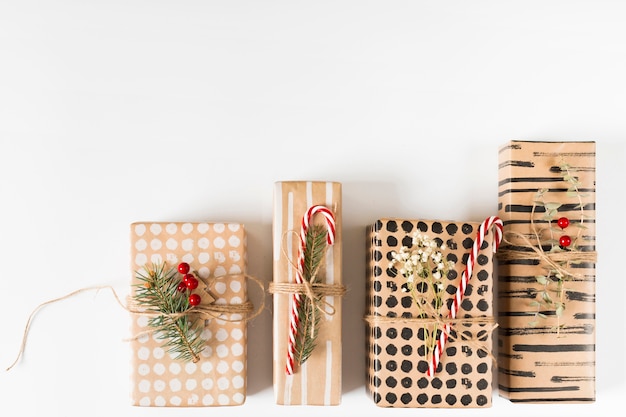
(415, 269)
(216, 253)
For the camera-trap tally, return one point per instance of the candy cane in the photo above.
(460, 292)
(294, 320)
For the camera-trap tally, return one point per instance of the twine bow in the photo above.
(447, 325)
(314, 292)
(536, 252)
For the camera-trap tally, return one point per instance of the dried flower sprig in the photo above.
(424, 267)
(552, 296)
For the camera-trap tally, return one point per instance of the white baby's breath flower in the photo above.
(422, 263)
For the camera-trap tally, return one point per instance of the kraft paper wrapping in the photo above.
(537, 363)
(214, 250)
(397, 362)
(318, 380)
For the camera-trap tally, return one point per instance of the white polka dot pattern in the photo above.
(218, 252)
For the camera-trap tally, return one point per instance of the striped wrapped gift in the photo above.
(317, 381)
(546, 284)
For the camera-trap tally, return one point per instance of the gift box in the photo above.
(216, 254)
(414, 271)
(546, 338)
(301, 207)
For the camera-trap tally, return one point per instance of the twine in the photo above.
(312, 291)
(447, 325)
(551, 258)
(209, 311)
(306, 288)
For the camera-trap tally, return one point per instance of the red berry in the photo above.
(563, 222)
(183, 267)
(188, 277)
(192, 282)
(565, 241)
(194, 299)
(181, 287)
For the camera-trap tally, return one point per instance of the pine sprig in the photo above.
(158, 293)
(308, 312)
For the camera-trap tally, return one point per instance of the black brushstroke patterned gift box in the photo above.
(546, 269)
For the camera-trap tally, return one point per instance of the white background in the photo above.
(118, 111)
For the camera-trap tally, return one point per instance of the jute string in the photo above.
(556, 261)
(207, 311)
(536, 252)
(433, 318)
(314, 291)
(453, 325)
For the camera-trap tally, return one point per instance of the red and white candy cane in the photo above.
(490, 222)
(295, 298)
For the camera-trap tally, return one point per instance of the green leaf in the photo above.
(532, 323)
(571, 194)
(560, 309)
(546, 297)
(553, 206)
(535, 304)
(541, 279)
(551, 242)
(543, 316)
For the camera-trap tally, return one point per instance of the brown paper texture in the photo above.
(318, 380)
(397, 362)
(219, 379)
(535, 363)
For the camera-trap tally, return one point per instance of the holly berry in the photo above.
(563, 222)
(565, 241)
(181, 287)
(191, 282)
(183, 268)
(194, 299)
(188, 277)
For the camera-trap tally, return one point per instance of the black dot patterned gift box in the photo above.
(398, 348)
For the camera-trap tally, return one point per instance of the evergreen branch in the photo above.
(157, 291)
(315, 249)
(309, 319)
